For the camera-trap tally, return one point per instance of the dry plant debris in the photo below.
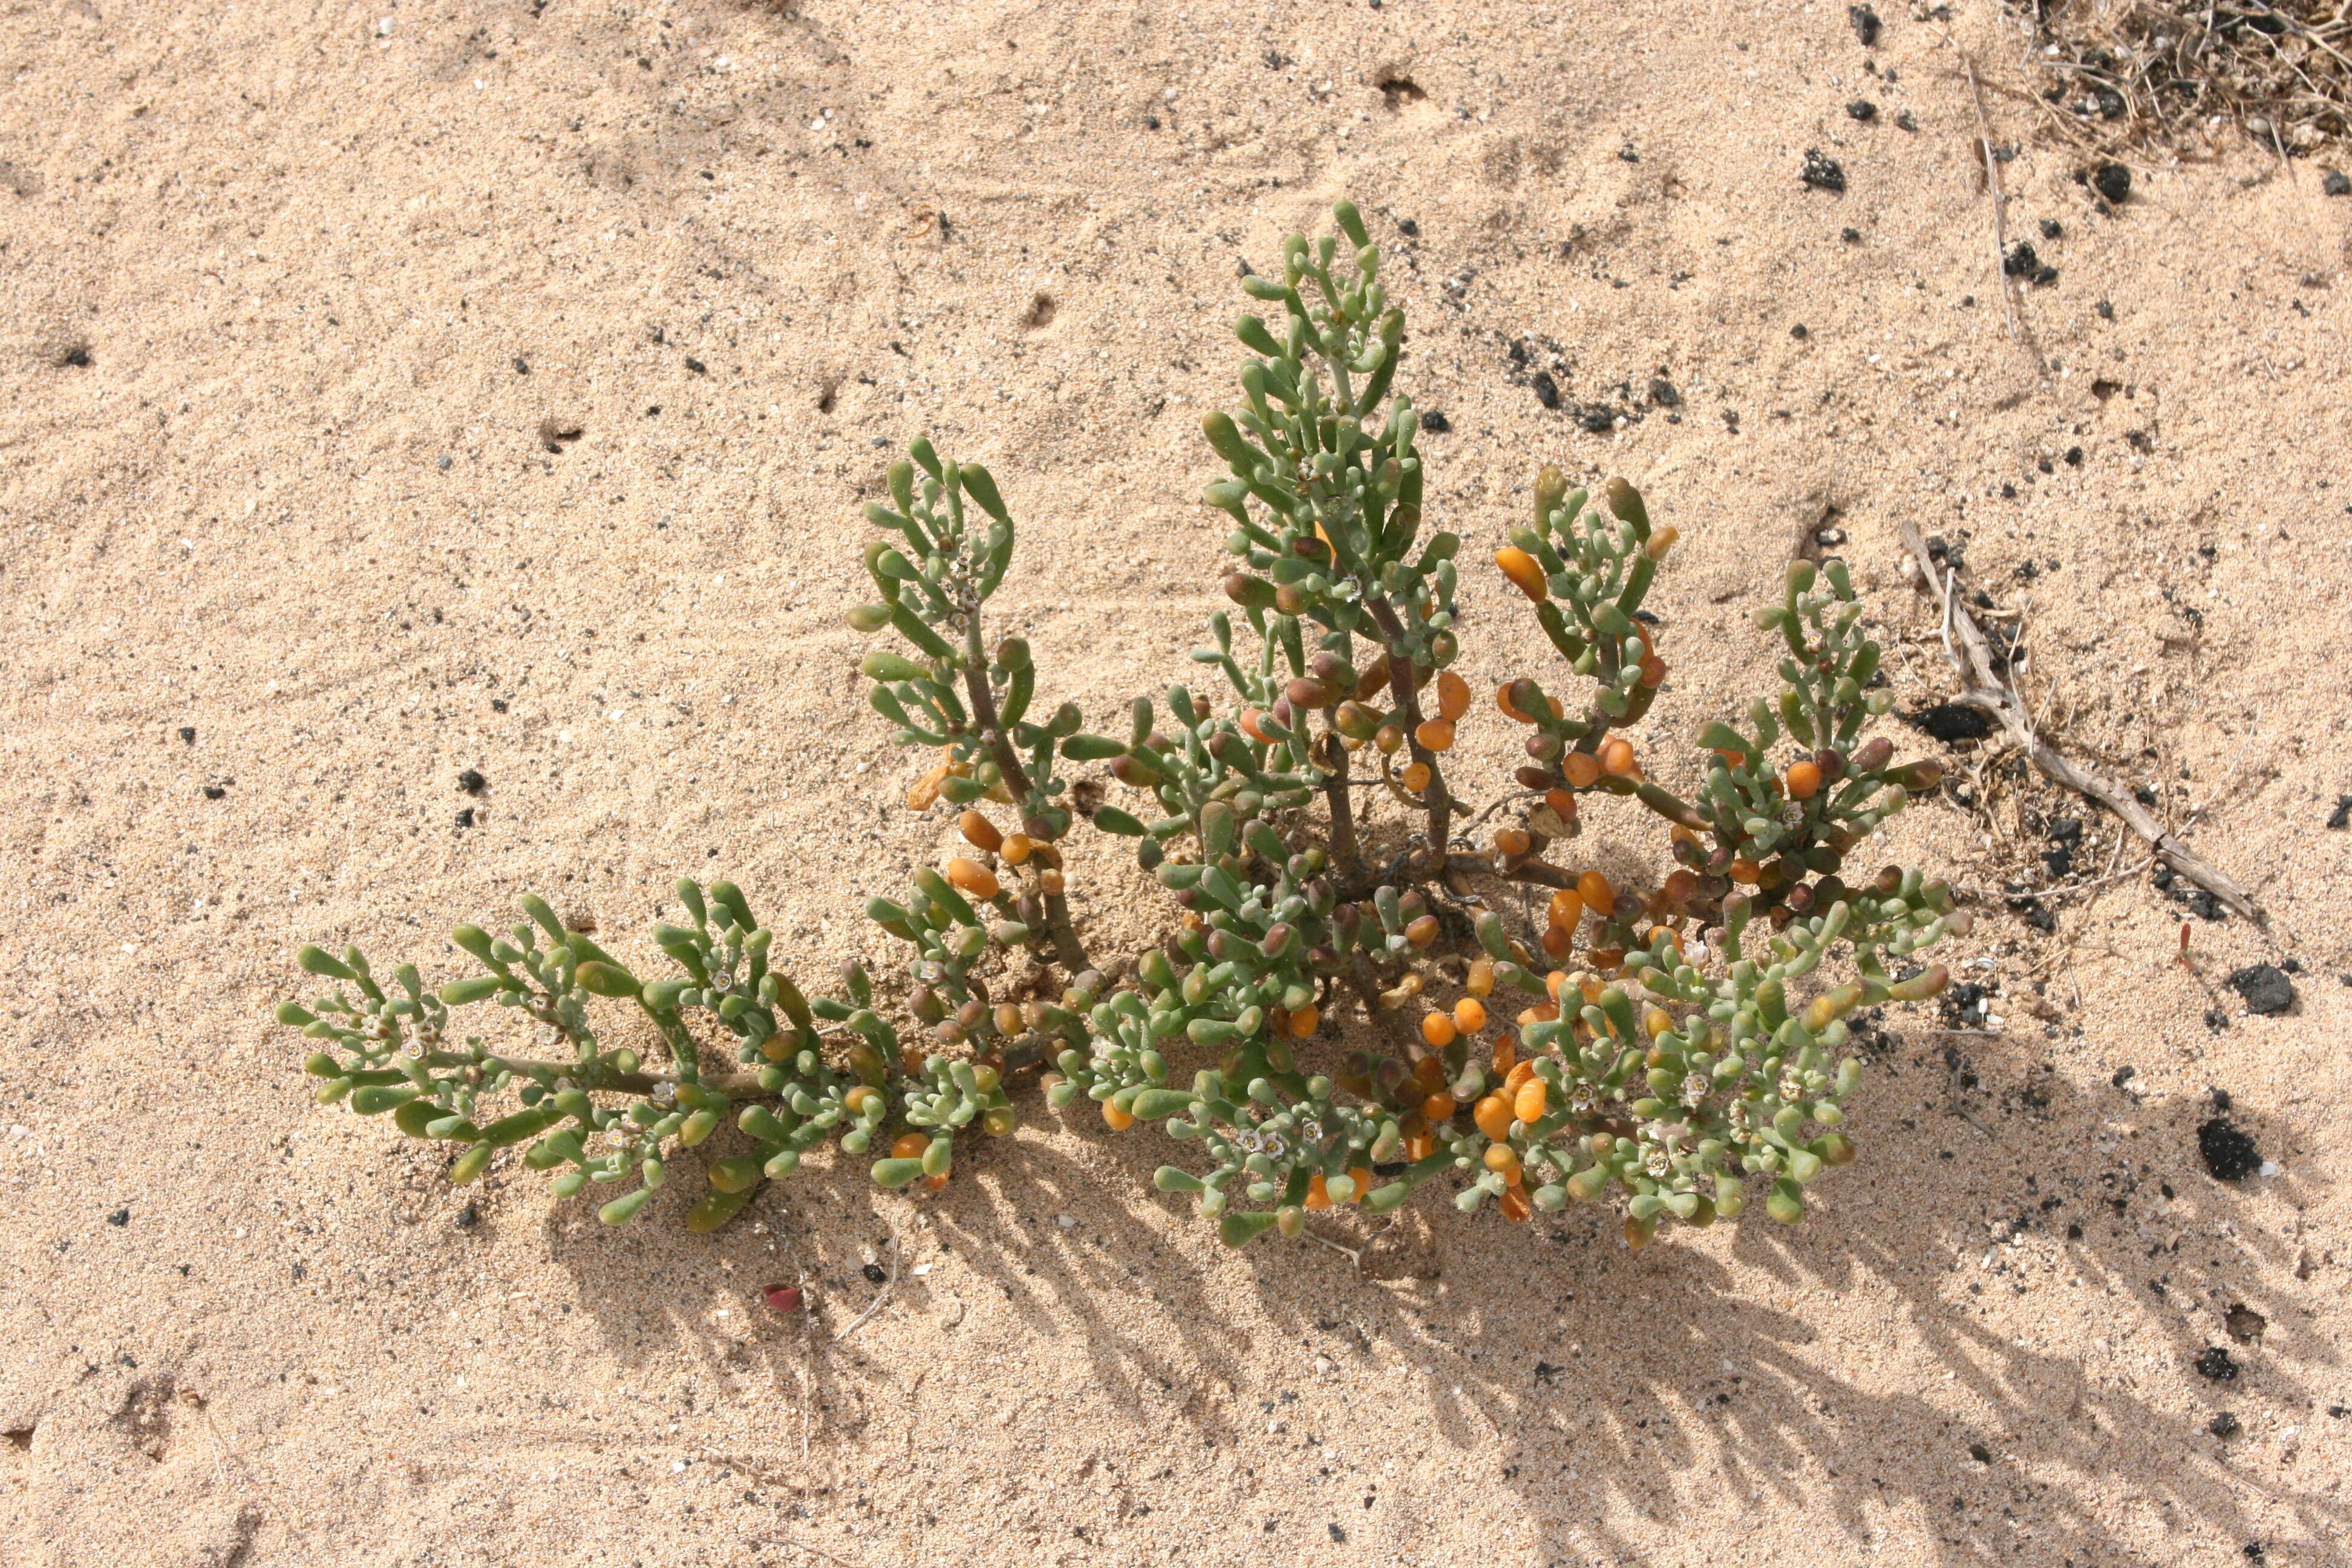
(2177, 72)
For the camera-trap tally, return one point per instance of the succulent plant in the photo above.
(1682, 1043)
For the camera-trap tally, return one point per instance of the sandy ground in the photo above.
(292, 294)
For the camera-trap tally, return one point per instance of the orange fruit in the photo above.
(1493, 1115)
(1805, 780)
(1598, 895)
(1319, 1196)
(1524, 571)
(1513, 841)
(1434, 734)
(1438, 1030)
(1528, 1104)
(1452, 696)
(1469, 1014)
(1503, 1158)
(1581, 768)
(1559, 941)
(1119, 1120)
(1566, 908)
(972, 878)
(1617, 756)
(980, 833)
(909, 1146)
(1415, 776)
(1303, 1021)
(1438, 1106)
(1514, 1206)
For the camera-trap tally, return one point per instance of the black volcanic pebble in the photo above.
(1432, 419)
(2229, 1154)
(1822, 173)
(1950, 721)
(2216, 1364)
(2334, 183)
(2266, 988)
(1865, 24)
(2112, 181)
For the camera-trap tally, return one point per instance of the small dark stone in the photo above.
(2106, 310)
(213, 792)
(1408, 228)
(119, 1217)
(2143, 794)
(2216, 1364)
(2066, 830)
(2339, 819)
(1663, 393)
(1435, 421)
(2073, 454)
(1862, 109)
(2124, 1075)
(469, 1216)
(2021, 261)
(874, 1273)
(2052, 229)
(188, 733)
(2223, 1425)
(697, 366)
(2220, 1099)
(2253, 1548)
(498, 704)
(1904, 122)
(1949, 721)
(2074, 1233)
(1596, 420)
(522, 365)
(2266, 988)
(1851, 235)
(2205, 906)
(1627, 154)
(1822, 173)
(2216, 1020)
(1336, 1533)
(472, 782)
(1980, 1453)
(2112, 181)
(466, 816)
(1547, 389)
(2229, 1154)
(1798, 333)
(1865, 24)
(2334, 183)
(78, 356)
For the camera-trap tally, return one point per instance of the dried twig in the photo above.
(1351, 1254)
(1992, 178)
(1984, 688)
(879, 1296)
(197, 1403)
(788, 1544)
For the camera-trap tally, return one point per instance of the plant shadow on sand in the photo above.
(1597, 1382)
